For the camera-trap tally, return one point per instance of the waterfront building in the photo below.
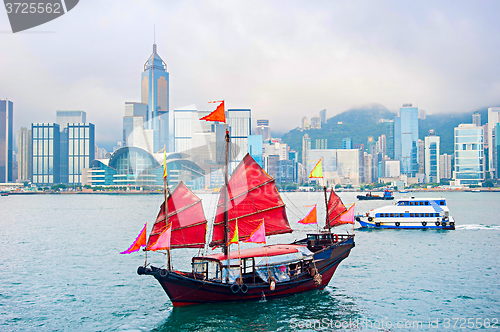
(445, 166)
(285, 171)
(263, 129)
(322, 115)
(135, 167)
(81, 150)
(469, 156)
(382, 145)
(6, 140)
(392, 169)
(46, 153)
(432, 162)
(24, 155)
(239, 122)
(155, 86)
(347, 143)
(65, 117)
(493, 119)
(406, 148)
(315, 122)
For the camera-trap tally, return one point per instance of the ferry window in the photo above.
(427, 215)
(412, 215)
(392, 215)
(426, 203)
(411, 203)
(386, 215)
(441, 203)
(417, 215)
(421, 203)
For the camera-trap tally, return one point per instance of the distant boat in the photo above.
(4, 194)
(403, 191)
(369, 196)
(410, 213)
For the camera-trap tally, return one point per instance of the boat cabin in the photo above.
(256, 265)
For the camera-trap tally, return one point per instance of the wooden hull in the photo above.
(183, 289)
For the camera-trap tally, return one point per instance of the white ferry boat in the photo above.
(410, 213)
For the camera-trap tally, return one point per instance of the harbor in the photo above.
(61, 269)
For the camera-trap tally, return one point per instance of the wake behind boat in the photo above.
(249, 209)
(410, 213)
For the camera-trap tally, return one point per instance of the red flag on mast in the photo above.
(218, 115)
(139, 242)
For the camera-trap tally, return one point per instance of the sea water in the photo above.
(60, 269)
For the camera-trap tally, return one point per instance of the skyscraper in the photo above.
(493, 119)
(406, 139)
(46, 153)
(81, 151)
(432, 162)
(24, 155)
(6, 138)
(155, 86)
(322, 115)
(239, 122)
(315, 122)
(469, 156)
(65, 117)
(476, 119)
(263, 129)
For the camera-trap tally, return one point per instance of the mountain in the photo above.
(357, 123)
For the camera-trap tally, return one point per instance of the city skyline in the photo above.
(272, 57)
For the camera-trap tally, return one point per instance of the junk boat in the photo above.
(410, 213)
(249, 209)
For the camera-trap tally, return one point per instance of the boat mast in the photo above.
(167, 193)
(326, 204)
(226, 195)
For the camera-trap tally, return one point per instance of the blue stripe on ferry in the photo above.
(436, 207)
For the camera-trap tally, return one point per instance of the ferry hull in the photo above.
(404, 224)
(184, 290)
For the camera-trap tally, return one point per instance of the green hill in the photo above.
(363, 122)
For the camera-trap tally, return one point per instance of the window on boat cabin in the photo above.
(392, 215)
(426, 215)
(210, 270)
(441, 202)
(247, 265)
(426, 203)
(412, 215)
(411, 203)
(312, 237)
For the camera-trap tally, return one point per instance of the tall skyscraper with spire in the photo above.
(155, 93)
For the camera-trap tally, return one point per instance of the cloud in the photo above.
(282, 59)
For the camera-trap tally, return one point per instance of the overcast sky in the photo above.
(282, 59)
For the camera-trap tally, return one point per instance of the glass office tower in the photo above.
(6, 140)
(406, 139)
(46, 153)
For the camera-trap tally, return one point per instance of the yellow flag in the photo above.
(164, 163)
(317, 172)
(235, 236)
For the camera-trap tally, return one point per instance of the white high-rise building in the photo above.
(469, 155)
(445, 170)
(493, 119)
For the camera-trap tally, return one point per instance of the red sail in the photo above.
(335, 210)
(189, 224)
(253, 196)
